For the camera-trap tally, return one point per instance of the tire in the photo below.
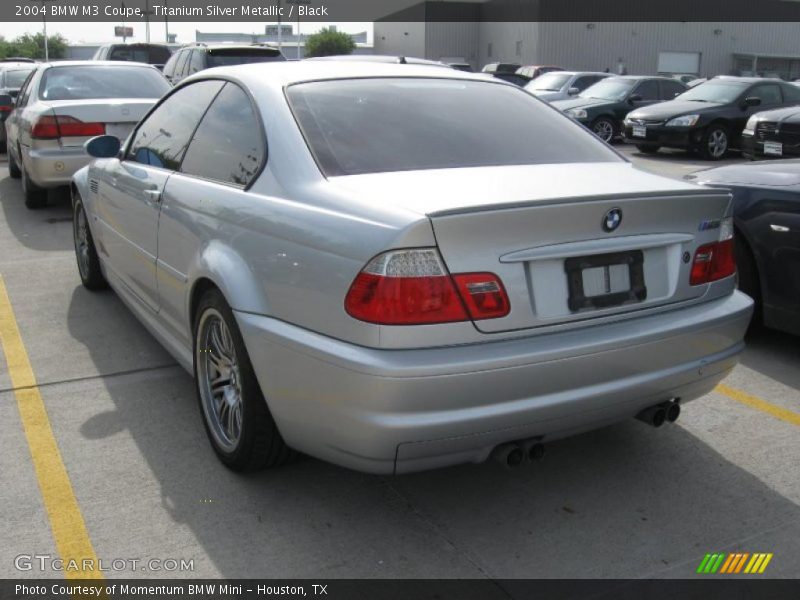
(3, 147)
(35, 197)
(747, 279)
(605, 129)
(13, 167)
(715, 143)
(648, 149)
(89, 270)
(235, 414)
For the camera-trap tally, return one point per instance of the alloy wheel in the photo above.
(717, 143)
(81, 235)
(219, 380)
(604, 130)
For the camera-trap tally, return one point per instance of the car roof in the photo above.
(280, 74)
(8, 66)
(735, 79)
(95, 63)
(226, 46)
(382, 58)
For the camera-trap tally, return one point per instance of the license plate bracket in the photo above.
(579, 300)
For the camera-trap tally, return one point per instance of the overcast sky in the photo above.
(104, 32)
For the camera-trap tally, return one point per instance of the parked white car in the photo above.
(61, 106)
(561, 85)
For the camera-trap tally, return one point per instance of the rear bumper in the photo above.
(668, 137)
(397, 411)
(54, 167)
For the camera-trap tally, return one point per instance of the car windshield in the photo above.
(15, 79)
(609, 89)
(549, 82)
(718, 92)
(242, 56)
(375, 125)
(97, 82)
(154, 55)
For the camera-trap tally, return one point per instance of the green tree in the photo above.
(31, 45)
(329, 42)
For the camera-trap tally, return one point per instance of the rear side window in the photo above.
(15, 79)
(161, 140)
(154, 55)
(100, 82)
(196, 62)
(228, 145)
(791, 93)
(670, 89)
(648, 90)
(181, 63)
(769, 93)
(399, 124)
(221, 57)
(169, 67)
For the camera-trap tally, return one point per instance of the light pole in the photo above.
(44, 25)
(298, 3)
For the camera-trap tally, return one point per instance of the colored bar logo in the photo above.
(734, 563)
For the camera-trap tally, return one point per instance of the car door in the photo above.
(18, 124)
(130, 202)
(644, 93)
(207, 197)
(770, 96)
(778, 226)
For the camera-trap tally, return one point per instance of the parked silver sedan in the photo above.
(371, 264)
(562, 85)
(62, 105)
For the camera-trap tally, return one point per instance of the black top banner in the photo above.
(400, 10)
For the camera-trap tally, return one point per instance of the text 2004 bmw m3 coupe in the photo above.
(371, 264)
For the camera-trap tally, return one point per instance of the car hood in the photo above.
(581, 102)
(773, 173)
(547, 96)
(672, 108)
(789, 114)
(439, 191)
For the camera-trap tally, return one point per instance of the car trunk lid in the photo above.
(542, 229)
(119, 116)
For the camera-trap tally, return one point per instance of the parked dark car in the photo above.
(710, 117)
(603, 106)
(13, 74)
(197, 57)
(515, 78)
(466, 67)
(152, 54)
(772, 133)
(500, 68)
(533, 71)
(766, 210)
(381, 58)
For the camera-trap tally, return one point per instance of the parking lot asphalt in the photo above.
(120, 423)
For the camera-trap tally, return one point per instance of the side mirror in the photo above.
(6, 103)
(634, 98)
(103, 146)
(752, 101)
(573, 91)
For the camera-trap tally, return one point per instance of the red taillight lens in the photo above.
(50, 127)
(412, 287)
(6, 109)
(713, 262)
(484, 295)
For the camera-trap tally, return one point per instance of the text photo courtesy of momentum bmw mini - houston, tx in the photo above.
(399, 299)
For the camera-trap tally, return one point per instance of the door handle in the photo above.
(153, 195)
(779, 228)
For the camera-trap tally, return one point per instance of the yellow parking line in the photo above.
(66, 522)
(771, 409)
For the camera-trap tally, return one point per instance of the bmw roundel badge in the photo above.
(612, 220)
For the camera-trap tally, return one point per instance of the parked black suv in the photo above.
(152, 54)
(196, 57)
(708, 118)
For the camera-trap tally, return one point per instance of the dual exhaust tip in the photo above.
(656, 416)
(514, 454)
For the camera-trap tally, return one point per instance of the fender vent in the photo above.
(94, 185)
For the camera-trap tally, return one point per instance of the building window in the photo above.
(489, 50)
(519, 48)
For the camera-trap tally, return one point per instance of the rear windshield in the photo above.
(361, 126)
(153, 55)
(15, 79)
(97, 82)
(241, 56)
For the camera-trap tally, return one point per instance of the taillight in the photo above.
(412, 287)
(715, 261)
(50, 127)
(6, 109)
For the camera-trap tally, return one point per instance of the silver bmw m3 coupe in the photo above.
(396, 268)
